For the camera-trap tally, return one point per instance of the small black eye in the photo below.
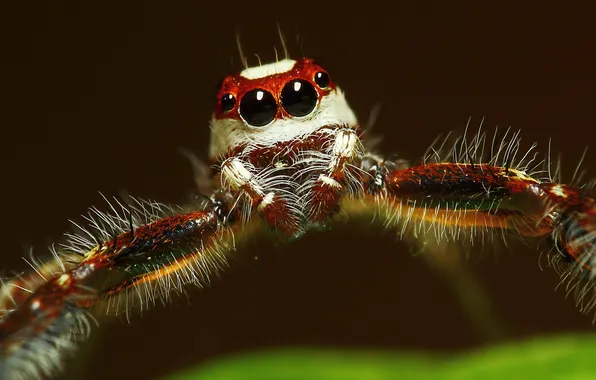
(258, 108)
(322, 79)
(299, 97)
(227, 102)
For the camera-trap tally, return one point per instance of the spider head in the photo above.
(276, 102)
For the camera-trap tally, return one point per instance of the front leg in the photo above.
(476, 198)
(135, 256)
(268, 192)
(464, 200)
(322, 195)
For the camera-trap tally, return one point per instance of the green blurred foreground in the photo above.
(570, 357)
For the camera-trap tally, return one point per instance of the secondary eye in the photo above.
(322, 79)
(227, 102)
(299, 97)
(258, 107)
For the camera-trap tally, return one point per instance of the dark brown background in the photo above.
(99, 97)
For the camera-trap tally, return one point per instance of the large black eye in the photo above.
(299, 97)
(227, 102)
(258, 107)
(322, 79)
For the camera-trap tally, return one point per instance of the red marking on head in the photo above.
(261, 157)
(237, 86)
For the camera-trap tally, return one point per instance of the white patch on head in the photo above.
(333, 109)
(263, 71)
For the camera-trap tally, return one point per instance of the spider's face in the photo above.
(276, 102)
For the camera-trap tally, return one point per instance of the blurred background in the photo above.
(100, 96)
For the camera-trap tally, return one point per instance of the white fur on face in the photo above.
(274, 68)
(333, 109)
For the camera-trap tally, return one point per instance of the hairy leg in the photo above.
(132, 257)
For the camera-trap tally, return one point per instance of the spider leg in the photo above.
(454, 199)
(322, 195)
(443, 257)
(44, 310)
(264, 191)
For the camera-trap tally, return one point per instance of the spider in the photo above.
(287, 155)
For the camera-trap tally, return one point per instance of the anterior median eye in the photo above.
(299, 97)
(258, 107)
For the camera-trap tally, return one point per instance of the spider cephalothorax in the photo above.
(286, 150)
(277, 102)
(285, 139)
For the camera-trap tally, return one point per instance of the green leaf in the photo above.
(566, 357)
